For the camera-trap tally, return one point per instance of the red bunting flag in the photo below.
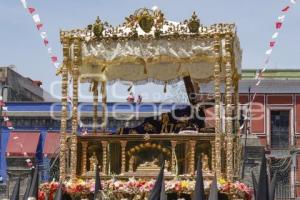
(31, 10)
(46, 42)
(53, 58)
(278, 25)
(2, 103)
(285, 9)
(272, 43)
(39, 26)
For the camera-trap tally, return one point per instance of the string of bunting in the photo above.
(272, 43)
(6, 121)
(40, 27)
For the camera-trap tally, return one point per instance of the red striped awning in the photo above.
(22, 144)
(51, 145)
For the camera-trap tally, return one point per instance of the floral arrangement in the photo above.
(132, 187)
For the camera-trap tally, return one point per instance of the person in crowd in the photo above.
(130, 98)
(139, 99)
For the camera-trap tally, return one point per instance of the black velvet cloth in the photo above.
(153, 125)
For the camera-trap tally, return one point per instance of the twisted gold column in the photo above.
(64, 94)
(237, 102)
(75, 74)
(84, 156)
(123, 156)
(103, 93)
(104, 156)
(192, 157)
(95, 106)
(228, 108)
(213, 157)
(173, 144)
(217, 69)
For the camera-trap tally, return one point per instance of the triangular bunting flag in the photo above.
(49, 50)
(24, 3)
(43, 35)
(281, 18)
(46, 42)
(36, 18)
(285, 9)
(31, 10)
(275, 35)
(278, 25)
(56, 64)
(258, 82)
(39, 26)
(53, 58)
(272, 43)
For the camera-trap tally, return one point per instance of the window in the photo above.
(280, 129)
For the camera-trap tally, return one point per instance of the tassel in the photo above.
(165, 87)
(145, 69)
(129, 88)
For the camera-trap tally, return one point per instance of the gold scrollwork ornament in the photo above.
(194, 23)
(98, 28)
(146, 21)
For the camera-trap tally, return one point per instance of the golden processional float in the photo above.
(148, 48)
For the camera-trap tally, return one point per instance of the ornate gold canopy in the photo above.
(147, 47)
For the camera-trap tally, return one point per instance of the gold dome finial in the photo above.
(194, 23)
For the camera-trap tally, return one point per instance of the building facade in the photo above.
(15, 87)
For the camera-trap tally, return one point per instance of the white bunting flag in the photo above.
(50, 50)
(269, 51)
(258, 82)
(10, 128)
(24, 3)
(43, 35)
(4, 108)
(56, 65)
(36, 18)
(6, 119)
(281, 18)
(275, 35)
(293, 1)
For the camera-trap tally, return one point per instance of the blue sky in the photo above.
(21, 45)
